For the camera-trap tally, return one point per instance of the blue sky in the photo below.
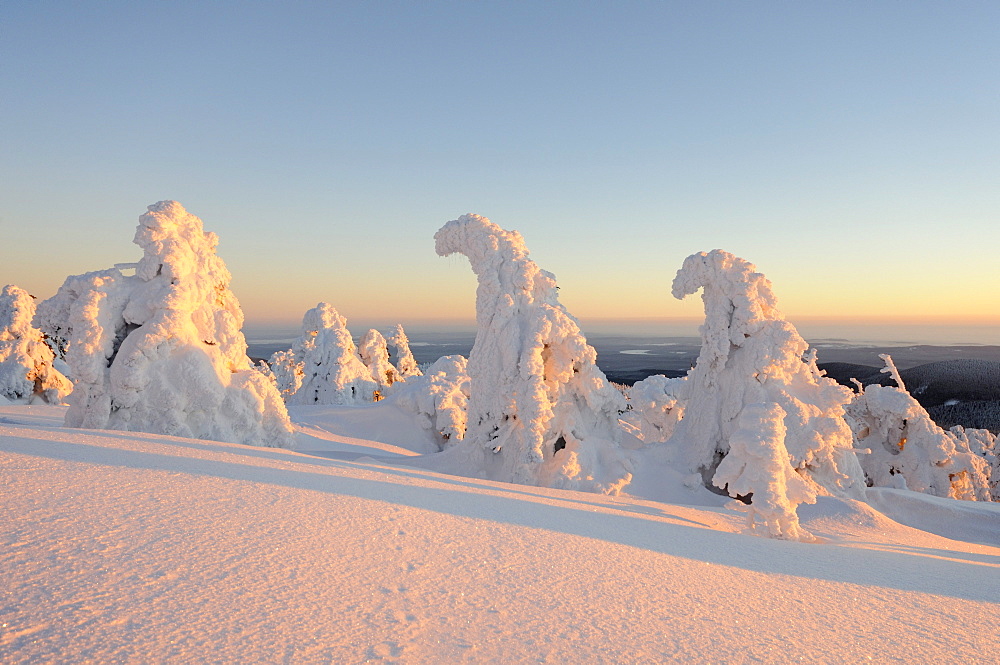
(850, 150)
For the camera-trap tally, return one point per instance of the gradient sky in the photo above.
(850, 150)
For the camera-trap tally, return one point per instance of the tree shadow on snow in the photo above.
(906, 568)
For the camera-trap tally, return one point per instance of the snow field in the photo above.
(130, 547)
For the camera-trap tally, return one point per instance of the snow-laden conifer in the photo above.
(287, 371)
(658, 405)
(758, 465)
(751, 355)
(332, 370)
(161, 351)
(540, 411)
(26, 361)
(904, 448)
(375, 355)
(439, 398)
(406, 364)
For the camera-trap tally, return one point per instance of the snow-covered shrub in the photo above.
(161, 351)
(657, 405)
(540, 411)
(758, 465)
(26, 361)
(406, 364)
(332, 370)
(375, 356)
(439, 398)
(751, 355)
(908, 450)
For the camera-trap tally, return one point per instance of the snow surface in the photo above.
(353, 547)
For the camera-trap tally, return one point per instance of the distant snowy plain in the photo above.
(358, 546)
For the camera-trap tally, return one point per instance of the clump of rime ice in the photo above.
(758, 465)
(331, 369)
(540, 411)
(406, 364)
(906, 449)
(161, 351)
(26, 361)
(658, 405)
(439, 398)
(375, 356)
(751, 355)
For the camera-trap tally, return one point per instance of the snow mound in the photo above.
(26, 361)
(161, 351)
(540, 411)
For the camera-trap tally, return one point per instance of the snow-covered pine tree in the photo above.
(333, 372)
(905, 448)
(375, 355)
(161, 351)
(751, 355)
(26, 361)
(406, 364)
(540, 410)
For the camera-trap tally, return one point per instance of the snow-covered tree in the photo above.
(758, 465)
(161, 351)
(540, 411)
(332, 370)
(26, 361)
(375, 356)
(906, 449)
(406, 364)
(751, 355)
(287, 371)
(983, 443)
(658, 405)
(439, 398)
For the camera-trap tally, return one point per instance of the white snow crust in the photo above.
(135, 547)
(161, 351)
(27, 372)
(540, 410)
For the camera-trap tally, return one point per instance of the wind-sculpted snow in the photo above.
(332, 372)
(540, 411)
(161, 351)
(26, 361)
(751, 355)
